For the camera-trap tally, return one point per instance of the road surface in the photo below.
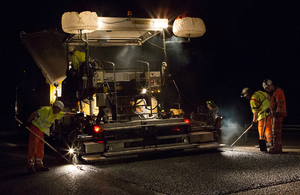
(240, 170)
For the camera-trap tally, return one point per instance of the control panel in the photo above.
(155, 81)
(98, 78)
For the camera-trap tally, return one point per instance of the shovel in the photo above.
(262, 141)
(242, 134)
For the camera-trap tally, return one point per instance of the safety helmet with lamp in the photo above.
(245, 92)
(266, 83)
(59, 104)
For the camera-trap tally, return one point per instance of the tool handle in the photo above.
(47, 143)
(242, 134)
(36, 135)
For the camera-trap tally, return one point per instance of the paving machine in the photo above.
(117, 91)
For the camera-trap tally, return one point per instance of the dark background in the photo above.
(245, 42)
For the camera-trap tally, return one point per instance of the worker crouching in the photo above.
(260, 104)
(41, 120)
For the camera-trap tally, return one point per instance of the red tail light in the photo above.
(186, 120)
(97, 129)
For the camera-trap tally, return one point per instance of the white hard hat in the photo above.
(245, 92)
(266, 83)
(59, 104)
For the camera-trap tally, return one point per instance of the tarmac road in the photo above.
(242, 169)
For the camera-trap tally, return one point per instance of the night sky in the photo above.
(245, 42)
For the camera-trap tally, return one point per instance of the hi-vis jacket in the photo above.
(277, 103)
(259, 104)
(45, 118)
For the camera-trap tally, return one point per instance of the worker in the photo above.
(78, 57)
(40, 121)
(75, 72)
(278, 112)
(260, 106)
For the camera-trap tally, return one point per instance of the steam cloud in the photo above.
(231, 127)
(230, 131)
(178, 51)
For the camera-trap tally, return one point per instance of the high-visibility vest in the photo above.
(277, 102)
(259, 104)
(77, 59)
(45, 118)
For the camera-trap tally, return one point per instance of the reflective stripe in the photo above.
(261, 93)
(45, 118)
(39, 161)
(41, 122)
(261, 100)
(259, 104)
(278, 102)
(256, 101)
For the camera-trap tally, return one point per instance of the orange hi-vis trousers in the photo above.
(268, 130)
(35, 145)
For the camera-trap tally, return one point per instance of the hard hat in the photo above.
(266, 83)
(59, 104)
(245, 92)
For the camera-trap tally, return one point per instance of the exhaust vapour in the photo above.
(231, 127)
(230, 131)
(178, 52)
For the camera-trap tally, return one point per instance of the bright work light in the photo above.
(144, 91)
(71, 151)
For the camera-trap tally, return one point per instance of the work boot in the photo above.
(31, 170)
(275, 151)
(268, 144)
(42, 168)
(39, 167)
(30, 166)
